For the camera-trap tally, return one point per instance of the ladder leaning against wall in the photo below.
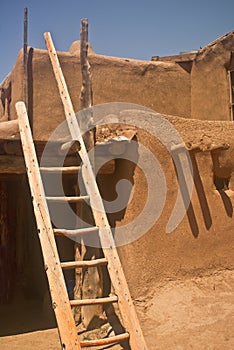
(54, 267)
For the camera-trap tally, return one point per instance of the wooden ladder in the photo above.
(54, 268)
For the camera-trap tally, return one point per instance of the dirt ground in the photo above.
(195, 313)
(191, 314)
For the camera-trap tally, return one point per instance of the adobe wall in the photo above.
(17, 88)
(203, 241)
(164, 87)
(210, 97)
(190, 85)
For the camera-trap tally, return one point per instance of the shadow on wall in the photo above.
(227, 203)
(29, 307)
(201, 193)
(124, 170)
(222, 177)
(221, 185)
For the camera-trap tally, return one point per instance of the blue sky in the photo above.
(135, 29)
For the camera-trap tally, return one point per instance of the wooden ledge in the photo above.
(9, 130)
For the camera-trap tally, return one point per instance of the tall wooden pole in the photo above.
(25, 65)
(86, 96)
(88, 282)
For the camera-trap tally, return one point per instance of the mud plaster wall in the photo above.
(17, 84)
(203, 240)
(164, 87)
(210, 97)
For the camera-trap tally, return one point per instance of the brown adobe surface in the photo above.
(196, 313)
(182, 286)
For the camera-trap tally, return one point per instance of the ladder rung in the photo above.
(76, 232)
(83, 263)
(67, 169)
(70, 199)
(105, 341)
(96, 301)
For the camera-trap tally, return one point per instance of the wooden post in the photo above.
(25, 48)
(88, 281)
(9, 130)
(86, 95)
(7, 110)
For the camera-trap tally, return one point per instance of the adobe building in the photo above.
(194, 92)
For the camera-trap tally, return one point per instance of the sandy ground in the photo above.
(187, 314)
(192, 314)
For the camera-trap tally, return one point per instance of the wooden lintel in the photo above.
(9, 130)
(12, 165)
(207, 147)
(70, 147)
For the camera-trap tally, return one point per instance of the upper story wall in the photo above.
(210, 81)
(163, 87)
(193, 85)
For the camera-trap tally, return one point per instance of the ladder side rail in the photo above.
(60, 301)
(127, 309)
(63, 90)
